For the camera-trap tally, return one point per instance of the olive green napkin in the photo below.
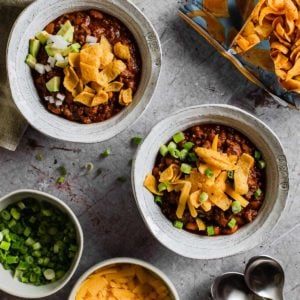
(12, 124)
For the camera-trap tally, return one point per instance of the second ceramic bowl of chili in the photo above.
(210, 181)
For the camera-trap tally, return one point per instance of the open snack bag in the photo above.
(260, 37)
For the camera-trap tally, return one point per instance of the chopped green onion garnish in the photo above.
(175, 153)
(209, 173)
(257, 155)
(27, 231)
(136, 140)
(163, 150)
(163, 186)
(106, 153)
(232, 223)
(236, 207)
(185, 168)
(230, 174)
(29, 241)
(261, 164)
(183, 154)
(192, 157)
(15, 214)
(12, 259)
(5, 245)
(5, 215)
(60, 179)
(1, 236)
(178, 137)
(178, 224)
(158, 199)
(172, 146)
(49, 274)
(257, 193)
(21, 205)
(203, 197)
(188, 146)
(210, 230)
(36, 246)
(39, 157)
(62, 170)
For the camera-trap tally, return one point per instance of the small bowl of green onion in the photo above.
(41, 243)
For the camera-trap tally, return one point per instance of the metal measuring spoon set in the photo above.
(263, 280)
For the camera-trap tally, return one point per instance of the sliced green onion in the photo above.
(36, 246)
(60, 179)
(49, 274)
(186, 169)
(62, 170)
(1, 236)
(106, 153)
(203, 197)
(178, 224)
(192, 157)
(158, 199)
(5, 215)
(178, 137)
(236, 207)
(21, 205)
(175, 153)
(29, 241)
(163, 150)
(209, 173)
(46, 212)
(230, 174)
(210, 230)
(136, 140)
(163, 186)
(172, 146)
(232, 223)
(4, 245)
(257, 193)
(12, 223)
(257, 155)
(12, 259)
(39, 157)
(188, 146)
(27, 231)
(261, 164)
(183, 154)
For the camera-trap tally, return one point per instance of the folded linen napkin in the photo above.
(12, 124)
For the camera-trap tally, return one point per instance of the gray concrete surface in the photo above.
(193, 73)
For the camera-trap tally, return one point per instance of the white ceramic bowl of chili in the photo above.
(277, 183)
(32, 20)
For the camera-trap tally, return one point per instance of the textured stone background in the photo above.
(193, 73)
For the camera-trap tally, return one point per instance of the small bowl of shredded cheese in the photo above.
(124, 278)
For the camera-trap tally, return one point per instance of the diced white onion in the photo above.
(51, 99)
(91, 39)
(51, 61)
(46, 98)
(60, 97)
(59, 42)
(58, 103)
(40, 68)
(48, 68)
(59, 57)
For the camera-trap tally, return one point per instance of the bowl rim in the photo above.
(153, 46)
(282, 192)
(79, 231)
(124, 260)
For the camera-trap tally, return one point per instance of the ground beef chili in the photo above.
(230, 142)
(97, 24)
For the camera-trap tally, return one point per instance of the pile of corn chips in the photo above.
(91, 73)
(220, 192)
(278, 21)
(123, 282)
